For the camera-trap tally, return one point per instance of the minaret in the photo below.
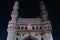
(46, 24)
(44, 13)
(13, 22)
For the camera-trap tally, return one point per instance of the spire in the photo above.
(44, 14)
(14, 14)
(42, 6)
(16, 6)
(13, 22)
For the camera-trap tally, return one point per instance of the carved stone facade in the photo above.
(29, 28)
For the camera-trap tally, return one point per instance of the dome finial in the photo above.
(16, 5)
(14, 13)
(42, 6)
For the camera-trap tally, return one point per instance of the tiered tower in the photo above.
(13, 22)
(29, 28)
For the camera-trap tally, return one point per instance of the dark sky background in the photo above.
(30, 8)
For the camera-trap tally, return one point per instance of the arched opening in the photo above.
(30, 38)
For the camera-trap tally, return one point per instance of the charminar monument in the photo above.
(29, 28)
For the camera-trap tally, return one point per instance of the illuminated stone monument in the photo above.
(29, 28)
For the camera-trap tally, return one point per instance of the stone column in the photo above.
(48, 36)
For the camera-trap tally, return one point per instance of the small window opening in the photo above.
(16, 38)
(33, 28)
(42, 38)
(17, 33)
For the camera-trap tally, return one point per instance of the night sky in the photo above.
(30, 8)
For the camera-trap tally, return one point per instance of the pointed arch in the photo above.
(29, 38)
